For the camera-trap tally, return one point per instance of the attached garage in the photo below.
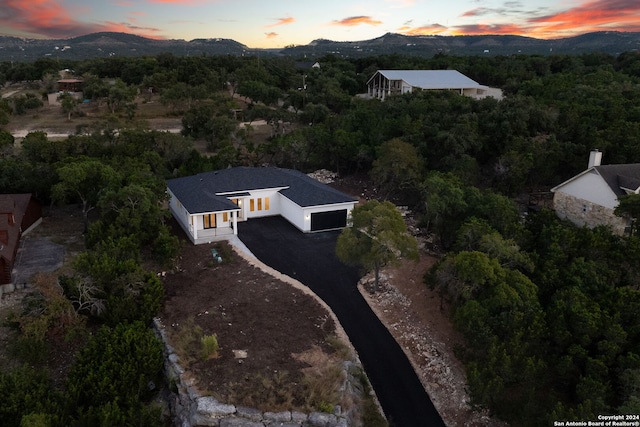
(328, 220)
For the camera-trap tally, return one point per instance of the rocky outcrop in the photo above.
(190, 409)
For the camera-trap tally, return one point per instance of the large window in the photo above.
(259, 204)
(210, 221)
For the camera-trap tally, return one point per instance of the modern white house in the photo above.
(589, 198)
(208, 206)
(397, 82)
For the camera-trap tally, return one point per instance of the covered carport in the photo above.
(310, 258)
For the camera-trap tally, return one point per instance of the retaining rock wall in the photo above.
(189, 409)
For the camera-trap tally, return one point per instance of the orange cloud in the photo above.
(357, 20)
(271, 35)
(282, 21)
(423, 30)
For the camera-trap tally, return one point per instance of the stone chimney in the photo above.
(595, 158)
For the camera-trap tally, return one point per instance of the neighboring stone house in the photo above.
(589, 198)
(208, 206)
(19, 213)
(397, 82)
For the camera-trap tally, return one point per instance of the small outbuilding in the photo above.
(208, 206)
(70, 86)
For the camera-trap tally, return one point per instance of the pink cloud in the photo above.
(271, 35)
(595, 15)
(357, 20)
(50, 19)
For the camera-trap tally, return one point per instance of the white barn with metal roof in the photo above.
(397, 82)
(208, 206)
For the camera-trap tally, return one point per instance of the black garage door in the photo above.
(328, 220)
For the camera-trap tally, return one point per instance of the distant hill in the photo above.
(107, 44)
(610, 42)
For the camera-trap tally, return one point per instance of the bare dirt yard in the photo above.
(278, 344)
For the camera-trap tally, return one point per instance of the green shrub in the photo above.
(25, 391)
(37, 420)
(185, 339)
(29, 350)
(225, 251)
(209, 346)
(136, 298)
(117, 365)
(166, 247)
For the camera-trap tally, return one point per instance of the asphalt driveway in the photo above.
(311, 259)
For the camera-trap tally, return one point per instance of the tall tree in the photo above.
(629, 207)
(84, 179)
(68, 103)
(398, 168)
(377, 236)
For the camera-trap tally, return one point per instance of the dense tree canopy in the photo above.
(549, 312)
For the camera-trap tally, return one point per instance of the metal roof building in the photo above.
(396, 82)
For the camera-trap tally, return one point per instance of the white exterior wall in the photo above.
(274, 203)
(301, 217)
(193, 225)
(179, 213)
(294, 214)
(591, 187)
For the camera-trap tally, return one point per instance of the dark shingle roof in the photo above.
(209, 191)
(620, 176)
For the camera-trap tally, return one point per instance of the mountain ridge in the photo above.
(105, 44)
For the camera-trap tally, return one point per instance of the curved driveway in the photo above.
(311, 259)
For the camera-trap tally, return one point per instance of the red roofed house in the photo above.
(18, 214)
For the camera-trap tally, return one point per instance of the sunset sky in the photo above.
(278, 23)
